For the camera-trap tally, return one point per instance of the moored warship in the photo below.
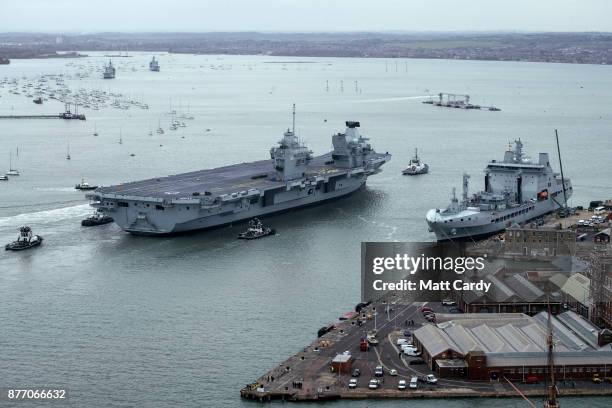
(109, 71)
(154, 65)
(516, 190)
(292, 178)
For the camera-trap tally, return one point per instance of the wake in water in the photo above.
(374, 100)
(46, 217)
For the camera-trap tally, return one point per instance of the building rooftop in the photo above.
(507, 334)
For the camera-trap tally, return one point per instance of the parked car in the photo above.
(412, 352)
(430, 317)
(352, 383)
(356, 372)
(455, 310)
(414, 383)
(393, 372)
(378, 371)
(430, 379)
(426, 309)
(401, 341)
(401, 385)
(596, 379)
(373, 384)
(531, 379)
(407, 333)
(410, 347)
(448, 302)
(416, 361)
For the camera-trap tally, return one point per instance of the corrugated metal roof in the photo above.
(526, 290)
(577, 286)
(585, 329)
(496, 333)
(435, 341)
(499, 291)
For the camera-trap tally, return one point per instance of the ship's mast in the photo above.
(551, 401)
(293, 127)
(561, 168)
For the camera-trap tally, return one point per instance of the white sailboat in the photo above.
(11, 171)
(68, 151)
(160, 130)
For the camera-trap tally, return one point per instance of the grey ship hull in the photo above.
(476, 225)
(225, 195)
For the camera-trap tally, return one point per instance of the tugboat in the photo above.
(97, 218)
(415, 166)
(26, 240)
(83, 185)
(38, 101)
(256, 230)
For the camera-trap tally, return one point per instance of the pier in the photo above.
(67, 115)
(60, 116)
(316, 373)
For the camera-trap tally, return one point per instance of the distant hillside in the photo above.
(584, 48)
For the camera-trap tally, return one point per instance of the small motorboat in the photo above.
(83, 185)
(95, 219)
(3, 178)
(415, 166)
(256, 230)
(38, 101)
(26, 240)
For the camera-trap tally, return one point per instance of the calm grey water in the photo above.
(133, 321)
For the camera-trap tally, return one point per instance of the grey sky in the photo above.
(305, 15)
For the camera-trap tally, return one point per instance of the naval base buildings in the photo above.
(483, 346)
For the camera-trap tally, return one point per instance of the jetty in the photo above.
(67, 115)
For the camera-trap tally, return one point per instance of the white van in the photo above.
(414, 382)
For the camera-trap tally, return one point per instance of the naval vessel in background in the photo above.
(109, 71)
(516, 190)
(290, 179)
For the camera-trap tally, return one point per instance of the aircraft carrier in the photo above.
(290, 179)
(516, 190)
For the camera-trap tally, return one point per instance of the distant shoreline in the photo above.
(572, 48)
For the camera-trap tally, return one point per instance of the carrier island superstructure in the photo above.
(516, 190)
(290, 179)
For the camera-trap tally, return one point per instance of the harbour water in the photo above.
(135, 321)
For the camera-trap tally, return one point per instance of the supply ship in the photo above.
(516, 190)
(292, 178)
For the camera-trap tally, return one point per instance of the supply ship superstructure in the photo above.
(290, 179)
(516, 190)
